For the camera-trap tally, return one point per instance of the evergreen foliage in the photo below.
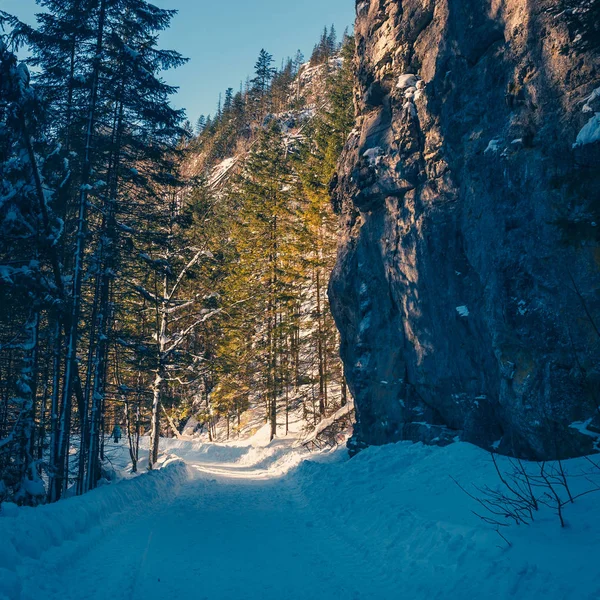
(151, 270)
(98, 98)
(326, 48)
(268, 216)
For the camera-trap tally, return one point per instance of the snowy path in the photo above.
(263, 523)
(232, 532)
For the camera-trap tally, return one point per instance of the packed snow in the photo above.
(266, 521)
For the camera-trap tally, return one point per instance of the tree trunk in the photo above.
(59, 480)
(159, 379)
(171, 423)
(320, 349)
(102, 302)
(157, 390)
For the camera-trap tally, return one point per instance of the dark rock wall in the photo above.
(467, 288)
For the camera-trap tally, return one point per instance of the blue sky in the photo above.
(223, 38)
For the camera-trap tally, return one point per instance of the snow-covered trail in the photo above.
(232, 532)
(265, 522)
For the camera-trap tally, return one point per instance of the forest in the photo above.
(151, 271)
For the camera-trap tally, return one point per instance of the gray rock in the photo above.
(467, 284)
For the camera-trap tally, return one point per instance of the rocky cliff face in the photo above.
(467, 289)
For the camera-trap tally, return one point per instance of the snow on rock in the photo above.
(493, 146)
(463, 311)
(410, 108)
(583, 428)
(373, 155)
(361, 6)
(221, 170)
(590, 133)
(595, 95)
(410, 91)
(407, 80)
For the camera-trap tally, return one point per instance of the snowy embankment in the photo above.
(389, 523)
(57, 532)
(398, 504)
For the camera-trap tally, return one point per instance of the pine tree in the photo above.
(177, 316)
(131, 293)
(264, 73)
(332, 43)
(265, 217)
(274, 233)
(298, 62)
(281, 87)
(31, 282)
(228, 100)
(135, 161)
(316, 166)
(200, 124)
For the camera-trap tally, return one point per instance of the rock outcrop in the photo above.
(467, 289)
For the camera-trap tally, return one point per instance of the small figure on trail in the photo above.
(116, 433)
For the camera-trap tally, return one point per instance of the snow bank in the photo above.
(256, 457)
(194, 451)
(388, 523)
(26, 534)
(415, 526)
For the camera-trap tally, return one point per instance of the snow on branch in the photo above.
(140, 289)
(180, 336)
(195, 259)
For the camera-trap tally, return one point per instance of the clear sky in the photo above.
(222, 38)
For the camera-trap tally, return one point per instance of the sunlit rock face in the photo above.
(467, 288)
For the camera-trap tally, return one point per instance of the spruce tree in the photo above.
(200, 124)
(31, 283)
(263, 75)
(265, 217)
